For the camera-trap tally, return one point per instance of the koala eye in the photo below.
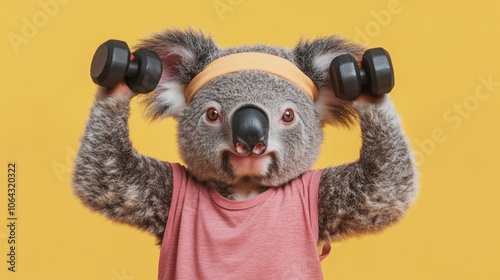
(212, 114)
(288, 116)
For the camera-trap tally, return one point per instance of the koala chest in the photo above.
(243, 190)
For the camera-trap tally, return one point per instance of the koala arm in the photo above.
(375, 191)
(112, 178)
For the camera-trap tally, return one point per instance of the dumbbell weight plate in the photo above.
(345, 77)
(378, 66)
(109, 63)
(148, 73)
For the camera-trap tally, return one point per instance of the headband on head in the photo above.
(252, 61)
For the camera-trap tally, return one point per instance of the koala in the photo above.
(245, 204)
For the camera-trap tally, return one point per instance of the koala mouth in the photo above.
(238, 166)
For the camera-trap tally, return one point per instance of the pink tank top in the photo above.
(271, 236)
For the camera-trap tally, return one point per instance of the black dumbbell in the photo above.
(111, 65)
(349, 80)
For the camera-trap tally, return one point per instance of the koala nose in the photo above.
(250, 129)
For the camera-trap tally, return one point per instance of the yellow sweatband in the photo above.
(252, 61)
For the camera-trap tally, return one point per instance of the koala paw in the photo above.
(370, 98)
(121, 90)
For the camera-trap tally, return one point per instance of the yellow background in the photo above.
(441, 51)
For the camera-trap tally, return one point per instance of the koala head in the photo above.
(248, 124)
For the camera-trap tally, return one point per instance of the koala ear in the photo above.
(184, 54)
(313, 57)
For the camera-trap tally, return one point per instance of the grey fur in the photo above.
(112, 178)
(375, 191)
(364, 196)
